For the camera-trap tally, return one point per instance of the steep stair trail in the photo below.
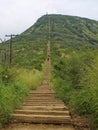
(41, 107)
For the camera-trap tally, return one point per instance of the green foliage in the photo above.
(7, 76)
(29, 48)
(83, 102)
(74, 75)
(31, 78)
(70, 30)
(75, 81)
(28, 55)
(15, 88)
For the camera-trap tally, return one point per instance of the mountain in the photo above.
(29, 48)
(70, 30)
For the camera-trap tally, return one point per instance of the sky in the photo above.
(18, 15)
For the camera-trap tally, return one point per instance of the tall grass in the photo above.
(31, 78)
(14, 87)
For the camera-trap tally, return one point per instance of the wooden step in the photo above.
(43, 100)
(41, 97)
(42, 103)
(48, 119)
(59, 108)
(42, 112)
(42, 94)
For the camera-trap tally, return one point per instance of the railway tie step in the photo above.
(59, 108)
(48, 119)
(43, 112)
(42, 103)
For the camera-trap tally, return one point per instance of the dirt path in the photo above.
(37, 127)
(41, 109)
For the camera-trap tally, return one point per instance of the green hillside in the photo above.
(29, 47)
(74, 59)
(70, 30)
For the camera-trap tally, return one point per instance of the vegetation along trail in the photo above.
(65, 79)
(41, 110)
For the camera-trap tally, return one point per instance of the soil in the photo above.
(80, 123)
(37, 127)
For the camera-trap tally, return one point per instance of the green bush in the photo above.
(75, 81)
(14, 87)
(7, 75)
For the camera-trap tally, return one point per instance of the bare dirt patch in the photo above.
(80, 123)
(37, 127)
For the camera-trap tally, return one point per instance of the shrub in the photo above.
(14, 87)
(75, 81)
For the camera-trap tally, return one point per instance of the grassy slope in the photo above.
(29, 48)
(67, 29)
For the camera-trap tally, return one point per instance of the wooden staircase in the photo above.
(41, 107)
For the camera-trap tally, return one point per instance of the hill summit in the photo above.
(29, 48)
(71, 30)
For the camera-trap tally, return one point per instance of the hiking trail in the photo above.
(41, 110)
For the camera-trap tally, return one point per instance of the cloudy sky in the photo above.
(17, 15)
